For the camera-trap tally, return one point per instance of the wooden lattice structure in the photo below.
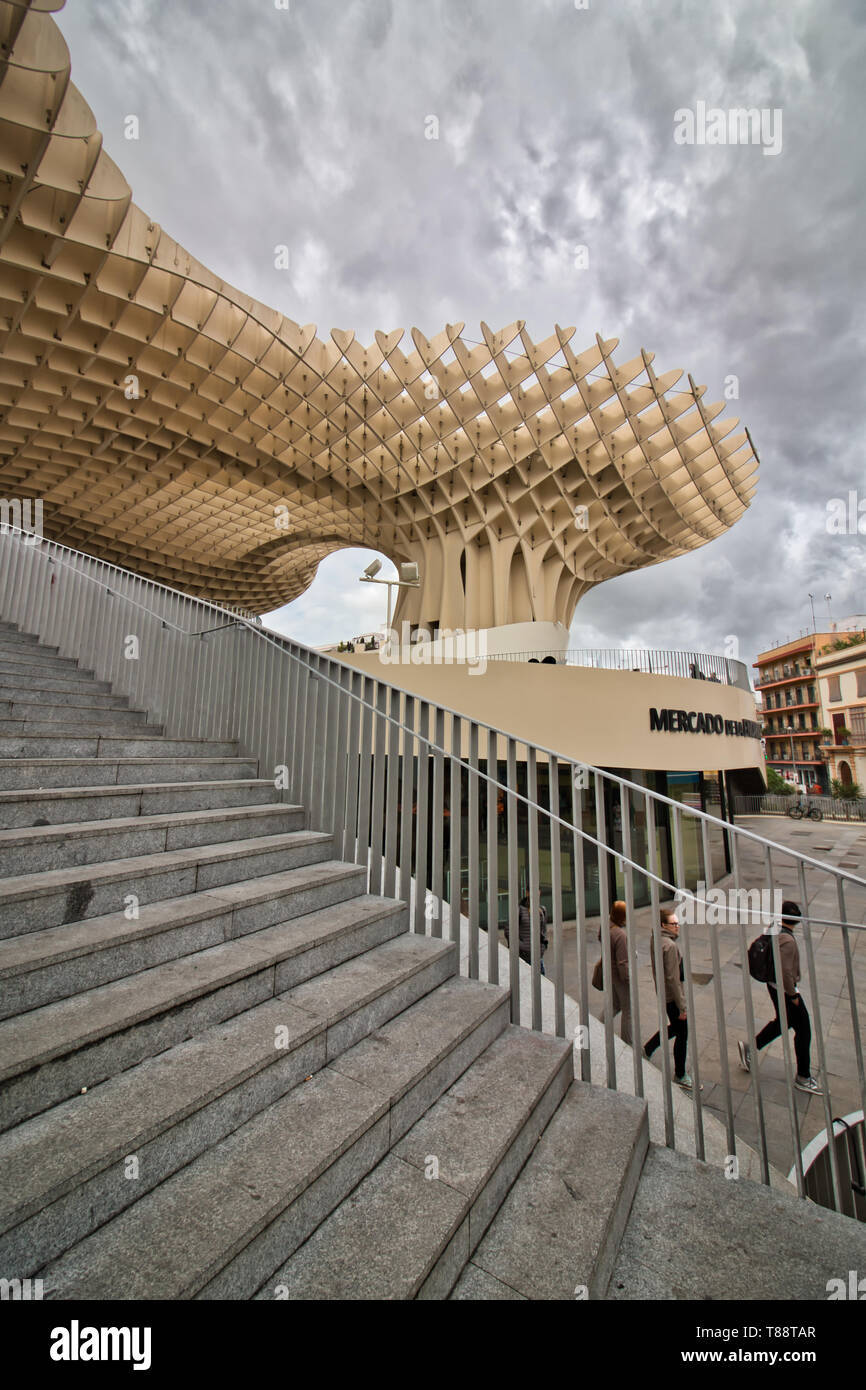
(176, 426)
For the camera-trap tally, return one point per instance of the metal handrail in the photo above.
(370, 763)
(654, 661)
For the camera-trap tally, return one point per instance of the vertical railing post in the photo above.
(492, 858)
(633, 991)
(818, 1035)
(534, 886)
(513, 887)
(454, 830)
(437, 878)
(718, 997)
(556, 898)
(407, 784)
(473, 836)
(659, 972)
(685, 936)
(604, 929)
(579, 784)
(421, 819)
(391, 798)
(377, 814)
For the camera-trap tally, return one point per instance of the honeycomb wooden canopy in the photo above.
(176, 426)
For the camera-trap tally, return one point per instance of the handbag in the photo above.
(598, 974)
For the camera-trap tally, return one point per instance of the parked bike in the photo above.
(799, 812)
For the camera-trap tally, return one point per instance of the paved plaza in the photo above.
(837, 844)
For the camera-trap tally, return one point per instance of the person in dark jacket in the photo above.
(524, 928)
(619, 966)
(796, 1013)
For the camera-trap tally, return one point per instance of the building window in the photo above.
(861, 682)
(833, 691)
(857, 719)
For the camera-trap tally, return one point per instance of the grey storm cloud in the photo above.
(306, 127)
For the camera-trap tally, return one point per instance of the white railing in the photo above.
(422, 795)
(652, 661)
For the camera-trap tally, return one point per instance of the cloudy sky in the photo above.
(306, 126)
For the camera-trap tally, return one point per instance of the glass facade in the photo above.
(697, 790)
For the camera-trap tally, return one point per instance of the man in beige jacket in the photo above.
(675, 999)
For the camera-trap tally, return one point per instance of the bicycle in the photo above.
(799, 812)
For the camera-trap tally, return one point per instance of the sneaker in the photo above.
(685, 1081)
(745, 1055)
(809, 1085)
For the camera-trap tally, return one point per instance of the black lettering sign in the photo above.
(681, 721)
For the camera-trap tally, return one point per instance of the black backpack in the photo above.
(761, 965)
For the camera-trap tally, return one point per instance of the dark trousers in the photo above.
(798, 1019)
(679, 1031)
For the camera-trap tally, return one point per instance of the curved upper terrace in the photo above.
(650, 661)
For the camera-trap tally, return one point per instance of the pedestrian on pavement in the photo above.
(619, 969)
(796, 1013)
(675, 999)
(524, 927)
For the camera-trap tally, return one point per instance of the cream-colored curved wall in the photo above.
(584, 714)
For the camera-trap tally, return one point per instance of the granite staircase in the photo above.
(228, 1071)
(210, 1033)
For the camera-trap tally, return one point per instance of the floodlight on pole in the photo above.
(409, 579)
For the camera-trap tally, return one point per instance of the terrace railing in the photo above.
(443, 810)
(650, 661)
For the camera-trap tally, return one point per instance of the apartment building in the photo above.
(791, 710)
(840, 668)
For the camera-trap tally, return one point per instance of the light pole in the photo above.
(812, 606)
(409, 579)
(790, 732)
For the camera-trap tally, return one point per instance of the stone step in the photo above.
(15, 647)
(68, 722)
(49, 1054)
(33, 662)
(72, 684)
(66, 1171)
(62, 805)
(29, 902)
(225, 1222)
(558, 1232)
(17, 774)
(730, 1239)
(13, 635)
(43, 966)
(37, 849)
(26, 697)
(54, 745)
(408, 1229)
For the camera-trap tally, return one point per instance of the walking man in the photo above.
(796, 1013)
(675, 999)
